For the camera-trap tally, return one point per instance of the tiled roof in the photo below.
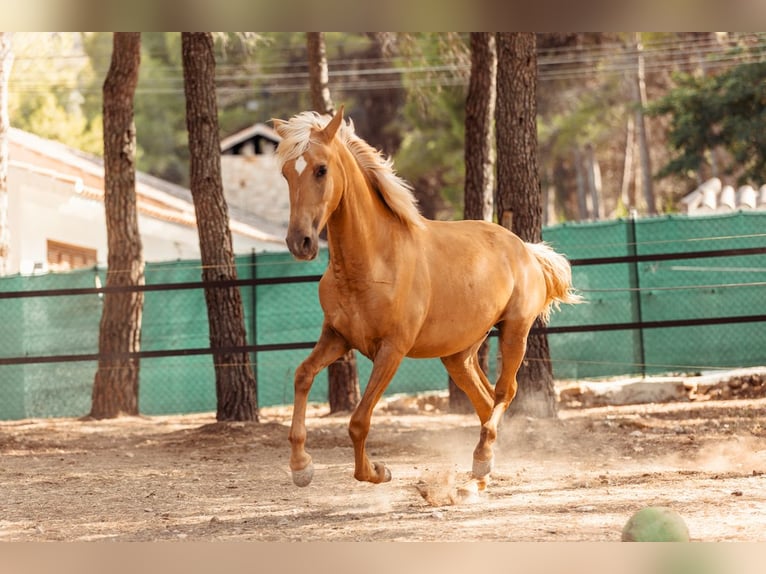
(155, 197)
(252, 132)
(714, 197)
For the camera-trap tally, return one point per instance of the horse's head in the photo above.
(312, 170)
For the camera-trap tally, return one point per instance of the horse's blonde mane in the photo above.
(395, 192)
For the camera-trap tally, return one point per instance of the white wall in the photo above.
(42, 207)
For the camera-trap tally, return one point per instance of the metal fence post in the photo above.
(635, 285)
(254, 314)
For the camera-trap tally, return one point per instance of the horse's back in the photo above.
(474, 247)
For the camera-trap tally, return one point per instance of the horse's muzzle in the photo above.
(303, 246)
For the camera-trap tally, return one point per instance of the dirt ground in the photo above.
(578, 478)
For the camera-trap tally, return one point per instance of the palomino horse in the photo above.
(399, 285)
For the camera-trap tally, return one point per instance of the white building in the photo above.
(56, 217)
(252, 180)
(714, 197)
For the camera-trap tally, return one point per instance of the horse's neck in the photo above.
(362, 230)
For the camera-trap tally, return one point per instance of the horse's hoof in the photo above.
(468, 493)
(382, 471)
(482, 468)
(303, 477)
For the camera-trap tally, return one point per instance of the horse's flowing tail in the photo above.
(558, 278)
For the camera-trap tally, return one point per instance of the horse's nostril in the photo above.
(306, 244)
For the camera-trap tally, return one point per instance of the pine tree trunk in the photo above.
(519, 195)
(319, 75)
(479, 113)
(479, 162)
(383, 105)
(343, 380)
(115, 388)
(643, 143)
(627, 166)
(234, 380)
(594, 182)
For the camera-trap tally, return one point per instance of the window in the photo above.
(65, 256)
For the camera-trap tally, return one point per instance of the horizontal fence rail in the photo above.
(669, 256)
(254, 282)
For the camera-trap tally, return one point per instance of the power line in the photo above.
(575, 63)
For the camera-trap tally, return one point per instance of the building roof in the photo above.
(155, 197)
(255, 139)
(714, 197)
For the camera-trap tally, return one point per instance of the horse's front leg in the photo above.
(384, 367)
(330, 347)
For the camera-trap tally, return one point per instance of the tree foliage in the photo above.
(48, 87)
(405, 93)
(726, 111)
(432, 122)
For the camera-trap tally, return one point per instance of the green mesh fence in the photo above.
(275, 314)
(666, 290)
(36, 326)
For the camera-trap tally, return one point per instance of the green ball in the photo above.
(655, 524)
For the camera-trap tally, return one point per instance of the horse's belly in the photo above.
(454, 333)
(446, 341)
(460, 315)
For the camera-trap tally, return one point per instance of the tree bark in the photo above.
(479, 113)
(6, 63)
(643, 144)
(115, 388)
(627, 166)
(594, 182)
(235, 383)
(583, 199)
(343, 384)
(519, 195)
(319, 75)
(479, 162)
(342, 375)
(381, 106)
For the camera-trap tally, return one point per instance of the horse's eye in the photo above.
(321, 171)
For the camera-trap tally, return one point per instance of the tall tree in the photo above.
(479, 161)
(319, 75)
(342, 375)
(382, 105)
(479, 113)
(643, 141)
(6, 62)
(519, 194)
(235, 383)
(723, 112)
(115, 388)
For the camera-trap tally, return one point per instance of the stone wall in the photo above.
(254, 183)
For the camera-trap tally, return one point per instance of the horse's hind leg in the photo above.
(513, 346)
(464, 369)
(329, 347)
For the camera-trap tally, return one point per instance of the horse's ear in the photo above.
(278, 125)
(328, 133)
